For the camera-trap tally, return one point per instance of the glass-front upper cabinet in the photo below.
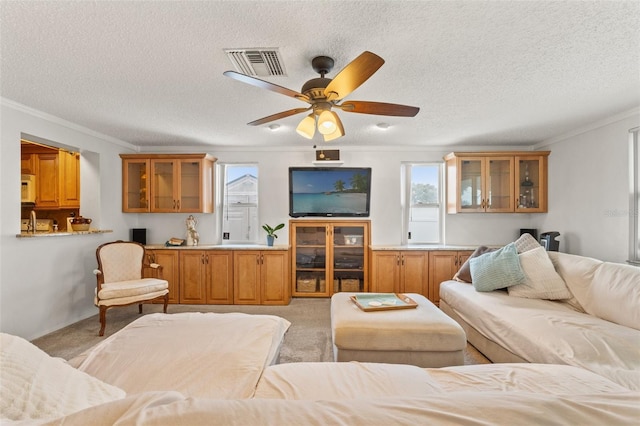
(163, 183)
(486, 184)
(135, 188)
(531, 186)
(496, 182)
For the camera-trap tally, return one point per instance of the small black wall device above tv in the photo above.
(329, 191)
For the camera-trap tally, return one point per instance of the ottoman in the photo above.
(424, 336)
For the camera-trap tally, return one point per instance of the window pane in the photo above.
(424, 214)
(240, 203)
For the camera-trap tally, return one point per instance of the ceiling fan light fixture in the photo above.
(338, 133)
(327, 122)
(307, 127)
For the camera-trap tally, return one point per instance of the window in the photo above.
(421, 203)
(240, 203)
(634, 197)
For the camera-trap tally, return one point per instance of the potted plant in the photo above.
(271, 232)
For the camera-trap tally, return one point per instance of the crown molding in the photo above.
(61, 122)
(593, 126)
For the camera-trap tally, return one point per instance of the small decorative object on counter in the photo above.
(271, 232)
(193, 238)
(80, 223)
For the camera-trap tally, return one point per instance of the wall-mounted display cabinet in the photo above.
(329, 256)
(497, 182)
(167, 183)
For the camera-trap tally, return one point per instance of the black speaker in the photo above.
(139, 235)
(532, 231)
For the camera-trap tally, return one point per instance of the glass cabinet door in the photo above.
(310, 259)
(348, 258)
(471, 189)
(530, 184)
(162, 172)
(135, 197)
(499, 184)
(190, 186)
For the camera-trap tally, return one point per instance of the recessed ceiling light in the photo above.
(383, 126)
(274, 126)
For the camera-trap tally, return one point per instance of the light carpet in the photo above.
(307, 340)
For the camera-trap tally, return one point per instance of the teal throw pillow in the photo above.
(496, 270)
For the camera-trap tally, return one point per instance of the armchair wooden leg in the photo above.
(103, 320)
(166, 300)
(139, 308)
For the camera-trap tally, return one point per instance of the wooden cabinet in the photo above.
(167, 183)
(261, 277)
(69, 179)
(168, 259)
(329, 256)
(47, 185)
(57, 176)
(443, 265)
(400, 272)
(206, 277)
(497, 182)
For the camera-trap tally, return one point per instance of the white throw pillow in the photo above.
(541, 279)
(37, 386)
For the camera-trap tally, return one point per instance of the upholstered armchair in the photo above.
(120, 279)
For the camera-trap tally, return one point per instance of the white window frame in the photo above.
(221, 204)
(405, 201)
(634, 196)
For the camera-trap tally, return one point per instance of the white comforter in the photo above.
(205, 355)
(549, 332)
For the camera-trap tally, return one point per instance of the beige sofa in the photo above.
(38, 389)
(597, 329)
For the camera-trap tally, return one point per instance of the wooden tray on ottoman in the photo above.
(383, 301)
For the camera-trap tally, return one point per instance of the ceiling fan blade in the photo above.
(278, 116)
(353, 75)
(379, 108)
(266, 85)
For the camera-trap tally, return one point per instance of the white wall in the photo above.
(589, 190)
(46, 283)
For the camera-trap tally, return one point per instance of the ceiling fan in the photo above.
(323, 94)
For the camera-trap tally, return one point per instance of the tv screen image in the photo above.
(329, 191)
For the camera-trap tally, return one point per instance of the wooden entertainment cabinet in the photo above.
(328, 256)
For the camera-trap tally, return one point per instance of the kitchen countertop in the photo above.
(61, 234)
(424, 247)
(217, 247)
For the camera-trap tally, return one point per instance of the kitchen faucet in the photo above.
(33, 221)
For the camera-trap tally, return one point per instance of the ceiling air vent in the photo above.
(256, 62)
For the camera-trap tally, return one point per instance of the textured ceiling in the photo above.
(482, 72)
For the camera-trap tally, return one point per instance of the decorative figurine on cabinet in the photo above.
(192, 235)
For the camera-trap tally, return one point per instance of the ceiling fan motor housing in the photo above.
(314, 88)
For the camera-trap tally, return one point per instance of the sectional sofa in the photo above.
(219, 371)
(571, 310)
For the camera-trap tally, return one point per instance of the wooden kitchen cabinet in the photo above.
(47, 184)
(443, 265)
(261, 277)
(57, 176)
(329, 256)
(69, 179)
(400, 272)
(497, 182)
(167, 183)
(206, 277)
(168, 259)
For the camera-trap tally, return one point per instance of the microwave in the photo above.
(28, 189)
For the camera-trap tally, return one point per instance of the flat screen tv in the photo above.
(329, 191)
